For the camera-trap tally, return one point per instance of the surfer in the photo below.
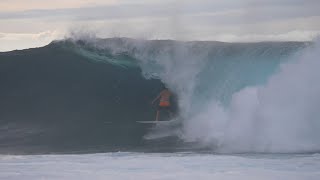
(164, 103)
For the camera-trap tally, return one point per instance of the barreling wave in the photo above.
(86, 95)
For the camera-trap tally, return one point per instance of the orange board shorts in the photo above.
(164, 104)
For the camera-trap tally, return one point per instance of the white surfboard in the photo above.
(152, 122)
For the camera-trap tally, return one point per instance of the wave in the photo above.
(85, 95)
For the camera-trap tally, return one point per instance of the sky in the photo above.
(34, 23)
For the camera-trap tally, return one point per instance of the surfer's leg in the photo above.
(157, 116)
(170, 113)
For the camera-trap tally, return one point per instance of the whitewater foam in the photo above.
(278, 116)
(160, 166)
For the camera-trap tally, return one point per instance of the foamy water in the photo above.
(160, 166)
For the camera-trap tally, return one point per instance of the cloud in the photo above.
(33, 36)
(264, 10)
(236, 20)
(11, 41)
(289, 36)
(18, 5)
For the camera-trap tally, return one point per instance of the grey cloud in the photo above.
(203, 13)
(104, 12)
(259, 10)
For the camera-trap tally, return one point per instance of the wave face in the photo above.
(54, 99)
(85, 95)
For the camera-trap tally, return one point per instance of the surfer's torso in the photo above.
(165, 98)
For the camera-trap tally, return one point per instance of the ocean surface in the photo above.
(68, 110)
(169, 166)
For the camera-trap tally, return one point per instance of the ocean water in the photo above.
(126, 165)
(243, 110)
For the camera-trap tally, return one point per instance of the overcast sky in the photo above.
(32, 23)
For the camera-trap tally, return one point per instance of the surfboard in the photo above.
(152, 122)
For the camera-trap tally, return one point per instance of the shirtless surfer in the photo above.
(164, 103)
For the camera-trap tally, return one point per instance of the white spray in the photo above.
(281, 116)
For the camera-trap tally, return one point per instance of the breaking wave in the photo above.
(232, 97)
